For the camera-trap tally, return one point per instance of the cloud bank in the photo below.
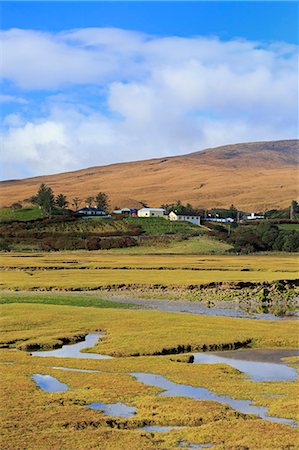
(102, 95)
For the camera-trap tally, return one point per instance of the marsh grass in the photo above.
(92, 270)
(35, 419)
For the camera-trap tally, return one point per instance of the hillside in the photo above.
(253, 176)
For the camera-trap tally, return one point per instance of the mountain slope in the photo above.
(253, 176)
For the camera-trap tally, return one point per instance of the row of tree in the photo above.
(47, 201)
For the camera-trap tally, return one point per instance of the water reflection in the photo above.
(245, 361)
(159, 428)
(114, 409)
(74, 350)
(172, 389)
(48, 383)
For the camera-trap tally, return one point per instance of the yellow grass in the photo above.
(132, 332)
(35, 419)
(98, 269)
(75, 279)
(214, 178)
(91, 259)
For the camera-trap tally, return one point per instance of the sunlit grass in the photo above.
(35, 419)
(87, 270)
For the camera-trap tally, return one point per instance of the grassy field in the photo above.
(289, 226)
(157, 225)
(201, 245)
(35, 419)
(27, 213)
(84, 270)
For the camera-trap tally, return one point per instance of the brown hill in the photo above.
(253, 176)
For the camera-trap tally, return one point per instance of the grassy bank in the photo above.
(35, 419)
(136, 332)
(66, 298)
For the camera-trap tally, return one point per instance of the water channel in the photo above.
(74, 350)
(259, 365)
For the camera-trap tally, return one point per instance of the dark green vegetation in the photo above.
(264, 237)
(61, 299)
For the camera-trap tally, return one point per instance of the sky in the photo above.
(95, 83)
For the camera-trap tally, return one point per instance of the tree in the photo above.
(44, 199)
(16, 205)
(102, 201)
(90, 201)
(294, 208)
(61, 201)
(233, 212)
(76, 203)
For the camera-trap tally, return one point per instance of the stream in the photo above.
(259, 365)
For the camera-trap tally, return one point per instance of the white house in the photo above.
(193, 218)
(152, 212)
(254, 216)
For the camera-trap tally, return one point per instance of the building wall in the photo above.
(191, 219)
(150, 213)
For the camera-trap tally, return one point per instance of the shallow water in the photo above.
(257, 364)
(48, 383)
(188, 306)
(70, 369)
(172, 389)
(158, 428)
(74, 350)
(114, 409)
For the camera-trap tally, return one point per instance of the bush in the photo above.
(265, 236)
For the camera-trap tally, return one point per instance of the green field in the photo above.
(32, 418)
(289, 226)
(24, 214)
(157, 225)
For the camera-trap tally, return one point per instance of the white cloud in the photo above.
(13, 99)
(163, 96)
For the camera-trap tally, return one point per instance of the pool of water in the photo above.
(74, 350)
(172, 389)
(48, 383)
(158, 428)
(114, 409)
(259, 365)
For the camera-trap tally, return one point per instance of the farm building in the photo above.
(193, 218)
(122, 211)
(152, 212)
(254, 216)
(126, 211)
(90, 212)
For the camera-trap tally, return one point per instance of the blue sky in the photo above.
(92, 83)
